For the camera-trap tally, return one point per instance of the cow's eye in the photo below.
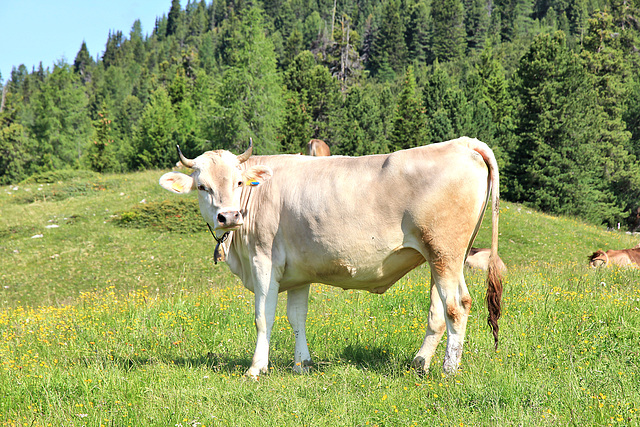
(202, 187)
(240, 183)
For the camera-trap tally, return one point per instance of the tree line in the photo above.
(553, 86)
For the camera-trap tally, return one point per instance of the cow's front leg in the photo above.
(265, 312)
(297, 306)
(435, 329)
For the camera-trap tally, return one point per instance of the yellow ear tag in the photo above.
(252, 183)
(177, 187)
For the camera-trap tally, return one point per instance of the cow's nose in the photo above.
(230, 218)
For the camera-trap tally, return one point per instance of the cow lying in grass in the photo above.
(478, 258)
(621, 258)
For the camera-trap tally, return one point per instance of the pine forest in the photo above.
(553, 86)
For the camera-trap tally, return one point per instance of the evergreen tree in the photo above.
(154, 139)
(449, 35)
(128, 115)
(562, 167)
(137, 42)
(174, 18)
(418, 32)
(492, 93)
(409, 128)
(506, 11)
(358, 126)
(16, 153)
(316, 89)
(446, 107)
(389, 44)
(113, 54)
(476, 23)
(61, 126)
(343, 59)
(604, 57)
(180, 94)
(101, 155)
(198, 21)
(250, 97)
(83, 64)
(297, 126)
(312, 28)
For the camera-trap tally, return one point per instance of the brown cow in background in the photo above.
(317, 147)
(479, 258)
(621, 258)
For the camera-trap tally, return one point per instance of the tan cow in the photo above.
(317, 147)
(351, 222)
(478, 258)
(621, 258)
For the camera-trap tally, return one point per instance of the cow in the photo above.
(317, 147)
(478, 258)
(621, 258)
(287, 221)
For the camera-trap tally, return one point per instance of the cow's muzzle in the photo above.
(229, 219)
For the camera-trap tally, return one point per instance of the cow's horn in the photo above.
(187, 162)
(244, 156)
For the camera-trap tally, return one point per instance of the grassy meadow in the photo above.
(112, 313)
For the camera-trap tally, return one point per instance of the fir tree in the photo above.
(83, 63)
(250, 97)
(154, 139)
(61, 126)
(449, 35)
(113, 54)
(476, 23)
(563, 167)
(409, 128)
(418, 32)
(389, 45)
(173, 18)
(101, 155)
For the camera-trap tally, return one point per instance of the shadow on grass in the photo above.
(377, 359)
(214, 361)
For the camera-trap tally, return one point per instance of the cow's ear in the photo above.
(257, 174)
(177, 182)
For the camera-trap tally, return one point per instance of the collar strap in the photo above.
(221, 239)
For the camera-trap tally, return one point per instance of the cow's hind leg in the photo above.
(435, 329)
(297, 305)
(456, 302)
(450, 289)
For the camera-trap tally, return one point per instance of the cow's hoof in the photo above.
(450, 366)
(302, 367)
(420, 365)
(254, 372)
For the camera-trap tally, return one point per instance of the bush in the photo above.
(59, 190)
(179, 215)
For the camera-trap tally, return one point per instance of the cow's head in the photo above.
(219, 180)
(598, 259)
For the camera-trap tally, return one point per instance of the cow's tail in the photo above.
(494, 276)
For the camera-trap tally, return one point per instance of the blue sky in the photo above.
(48, 30)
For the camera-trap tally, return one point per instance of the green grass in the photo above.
(114, 325)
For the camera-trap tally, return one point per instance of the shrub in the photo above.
(179, 215)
